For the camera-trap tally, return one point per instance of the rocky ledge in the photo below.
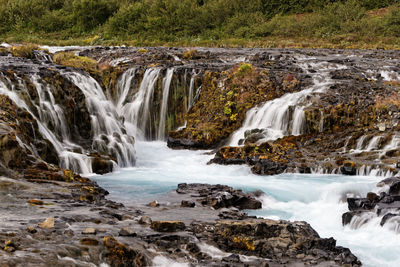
(384, 205)
(197, 224)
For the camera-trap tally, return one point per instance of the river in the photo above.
(317, 199)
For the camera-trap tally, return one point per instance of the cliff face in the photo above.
(342, 106)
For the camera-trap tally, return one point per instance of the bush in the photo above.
(392, 23)
(89, 14)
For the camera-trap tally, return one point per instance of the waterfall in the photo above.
(360, 143)
(49, 113)
(137, 112)
(374, 143)
(273, 117)
(108, 134)
(124, 86)
(321, 122)
(299, 119)
(191, 94)
(108, 131)
(164, 104)
(49, 110)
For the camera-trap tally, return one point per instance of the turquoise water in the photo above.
(318, 199)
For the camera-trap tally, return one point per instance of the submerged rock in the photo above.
(220, 196)
(386, 205)
(127, 231)
(168, 226)
(47, 224)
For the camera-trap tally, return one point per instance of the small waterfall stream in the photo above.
(285, 115)
(136, 112)
(164, 104)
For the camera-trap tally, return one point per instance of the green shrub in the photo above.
(392, 23)
(89, 14)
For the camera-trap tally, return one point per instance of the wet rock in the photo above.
(372, 197)
(386, 205)
(31, 229)
(233, 258)
(145, 220)
(388, 217)
(188, 204)
(167, 226)
(47, 224)
(127, 231)
(254, 138)
(267, 167)
(177, 143)
(348, 168)
(382, 127)
(394, 189)
(9, 249)
(220, 196)
(119, 254)
(347, 217)
(89, 241)
(89, 231)
(154, 204)
(278, 239)
(35, 202)
(101, 165)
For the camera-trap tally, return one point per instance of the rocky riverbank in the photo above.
(57, 224)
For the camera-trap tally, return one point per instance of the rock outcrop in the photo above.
(385, 206)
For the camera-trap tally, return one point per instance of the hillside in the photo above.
(257, 23)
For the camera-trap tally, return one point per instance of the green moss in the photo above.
(71, 60)
(243, 69)
(25, 51)
(227, 111)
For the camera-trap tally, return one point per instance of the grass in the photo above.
(25, 51)
(340, 41)
(383, 103)
(69, 59)
(335, 26)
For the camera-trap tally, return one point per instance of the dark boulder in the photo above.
(268, 167)
(220, 196)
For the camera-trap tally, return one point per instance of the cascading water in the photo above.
(274, 116)
(139, 109)
(108, 132)
(137, 112)
(124, 86)
(191, 94)
(164, 104)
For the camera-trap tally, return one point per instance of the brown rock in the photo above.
(47, 224)
(35, 202)
(167, 226)
(9, 249)
(127, 231)
(372, 197)
(188, 204)
(154, 204)
(89, 241)
(31, 229)
(89, 231)
(145, 220)
(121, 255)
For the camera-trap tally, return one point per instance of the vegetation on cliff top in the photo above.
(271, 23)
